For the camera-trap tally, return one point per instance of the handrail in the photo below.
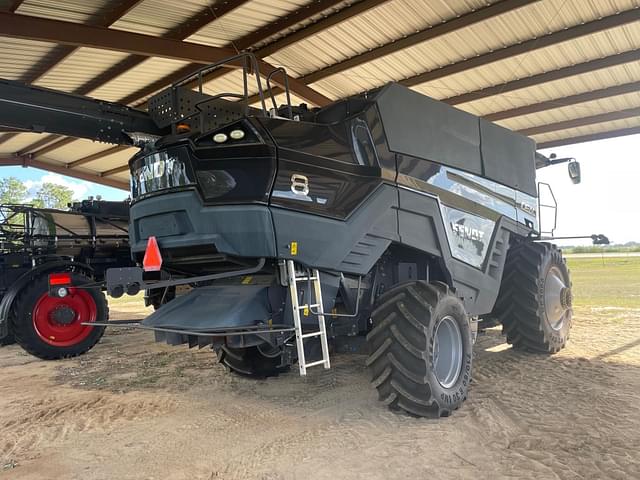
(286, 89)
(249, 62)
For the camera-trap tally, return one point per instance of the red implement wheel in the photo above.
(51, 327)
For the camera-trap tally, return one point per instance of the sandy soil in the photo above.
(133, 409)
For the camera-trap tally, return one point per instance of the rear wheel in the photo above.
(8, 340)
(257, 362)
(535, 300)
(50, 327)
(420, 349)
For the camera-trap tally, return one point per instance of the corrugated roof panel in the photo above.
(76, 11)
(18, 142)
(76, 150)
(588, 130)
(111, 161)
(245, 19)
(18, 56)
(377, 26)
(140, 76)
(587, 109)
(581, 50)
(123, 177)
(556, 90)
(310, 20)
(157, 17)
(229, 82)
(79, 68)
(532, 21)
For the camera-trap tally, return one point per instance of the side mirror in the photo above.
(574, 171)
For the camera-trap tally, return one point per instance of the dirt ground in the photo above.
(134, 409)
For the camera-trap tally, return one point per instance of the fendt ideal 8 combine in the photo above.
(386, 222)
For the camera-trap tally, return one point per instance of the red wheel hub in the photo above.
(58, 321)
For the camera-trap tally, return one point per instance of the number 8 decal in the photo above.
(299, 184)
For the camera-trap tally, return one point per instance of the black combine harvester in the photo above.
(76, 246)
(386, 222)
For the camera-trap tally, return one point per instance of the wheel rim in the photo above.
(447, 352)
(58, 321)
(557, 298)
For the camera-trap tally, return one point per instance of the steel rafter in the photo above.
(421, 36)
(28, 162)
(545, 77)
(581, 122)
(180, 32)
(97, 156)
(590, 137)
(632, 87)
(242, 43)
(33, 28)
(548, 40)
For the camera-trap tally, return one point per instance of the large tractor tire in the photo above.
(254, 362)
(50, 327)
(534, 303)
(420, 349)
(8, 340)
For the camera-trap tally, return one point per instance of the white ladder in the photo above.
(308, 307)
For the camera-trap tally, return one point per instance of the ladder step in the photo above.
(313, 364)
(313, 305)
(313, 334)
(302, 279)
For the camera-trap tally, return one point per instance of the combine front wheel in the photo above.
(420, 346)
(51, 327)
(256, 362)
(534, 304)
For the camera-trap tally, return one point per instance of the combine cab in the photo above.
(387, 223)
(44, 250)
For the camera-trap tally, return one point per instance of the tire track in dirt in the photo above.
(52, 418)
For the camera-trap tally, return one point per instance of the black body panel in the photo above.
(422, 127)
(418, 126)
(179, 220)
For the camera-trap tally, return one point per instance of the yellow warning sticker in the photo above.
(247, 280)
(305, 311)
(294, 248)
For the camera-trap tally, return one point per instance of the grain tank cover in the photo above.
(419, 126)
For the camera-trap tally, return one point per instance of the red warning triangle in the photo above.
(152, 260)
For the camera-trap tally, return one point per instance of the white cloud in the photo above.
(79, 188)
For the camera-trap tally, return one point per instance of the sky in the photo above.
(34, 178)
(607, 201)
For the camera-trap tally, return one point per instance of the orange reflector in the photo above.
(183, 128)
(60, 278)
(152, 260)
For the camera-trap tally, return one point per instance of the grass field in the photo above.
(606, 282)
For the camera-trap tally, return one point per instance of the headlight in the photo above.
(220, 137)
(237, 134)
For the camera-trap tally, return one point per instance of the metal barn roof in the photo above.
(560, 71)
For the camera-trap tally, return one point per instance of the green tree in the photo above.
(12, 190)
(52, 195)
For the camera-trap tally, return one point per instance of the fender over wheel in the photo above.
(420, 349)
